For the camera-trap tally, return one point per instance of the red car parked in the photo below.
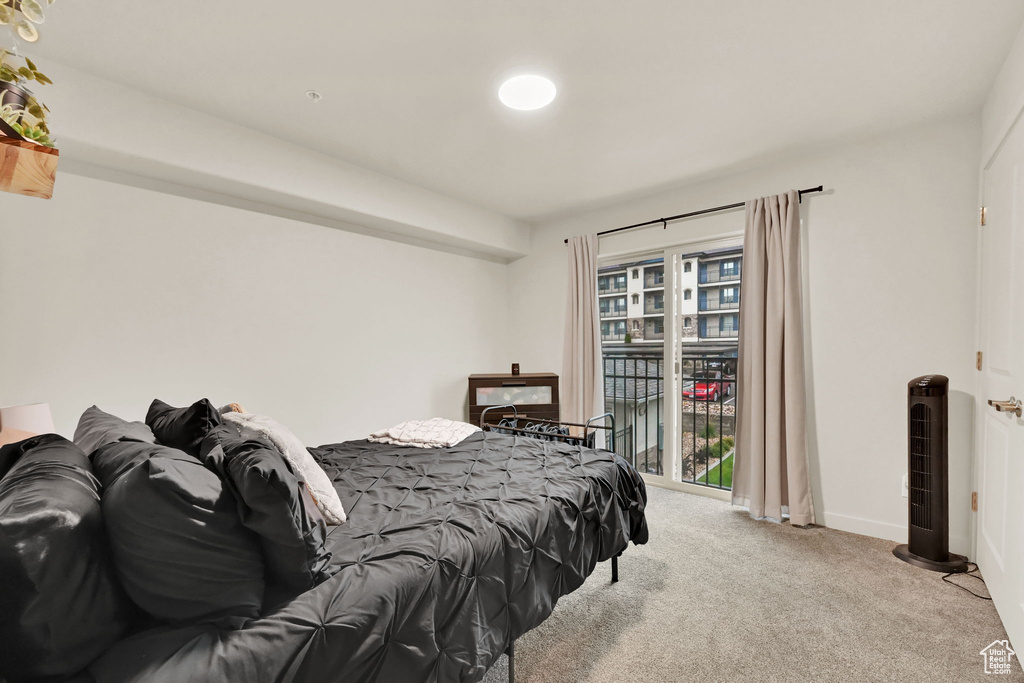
(706, 386)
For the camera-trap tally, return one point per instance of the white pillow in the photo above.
(306, 468)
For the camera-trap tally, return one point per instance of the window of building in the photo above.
(730, 295)
(728, 269)
(613, 330)
(687, 322)
(611, 283)
(659, 301)
(659, 326)
(688, 294)
(688, 266)
(636, 298)
(636, 273)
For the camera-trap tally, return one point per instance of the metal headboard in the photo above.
(585, 438)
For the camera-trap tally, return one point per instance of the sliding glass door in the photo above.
(670, 333)
(707, 287)
(632, 309)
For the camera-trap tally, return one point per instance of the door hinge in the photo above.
(974, 501)
(982, 213)
(977, 361)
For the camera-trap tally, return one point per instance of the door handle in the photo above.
(1012, 406)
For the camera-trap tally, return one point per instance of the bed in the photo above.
(448, 556)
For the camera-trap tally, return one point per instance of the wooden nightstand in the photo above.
(533, 395)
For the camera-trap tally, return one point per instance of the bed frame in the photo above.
(575, 433)
(572, 429)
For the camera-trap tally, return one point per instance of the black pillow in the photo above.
(112, 460)
(276, 505)
(182, 428)
(178, 545)
(8, 456)
(60, 604)
(97, 428)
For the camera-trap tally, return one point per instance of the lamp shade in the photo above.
(21, 422)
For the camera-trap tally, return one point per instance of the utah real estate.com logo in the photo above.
(998, 657)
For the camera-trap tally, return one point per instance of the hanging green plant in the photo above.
(27, 152)
(20, 112)
(11, 72)
(22, 16)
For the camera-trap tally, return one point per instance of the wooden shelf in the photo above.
(27, 168)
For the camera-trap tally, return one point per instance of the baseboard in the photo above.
(890, 532)
(866, 527)
(854, 525)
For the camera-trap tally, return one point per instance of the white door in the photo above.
(1000, 435)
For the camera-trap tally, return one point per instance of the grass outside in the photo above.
(712, 474)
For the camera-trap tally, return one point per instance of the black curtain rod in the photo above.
(690, 214)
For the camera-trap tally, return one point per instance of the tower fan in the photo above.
(928, 466)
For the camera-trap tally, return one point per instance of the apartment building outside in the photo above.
(631, 299)
(718, 294)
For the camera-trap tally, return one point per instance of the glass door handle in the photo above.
(1012, 406)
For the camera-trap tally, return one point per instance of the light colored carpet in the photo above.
(717, 596)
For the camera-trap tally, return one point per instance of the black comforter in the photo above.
(448, 555)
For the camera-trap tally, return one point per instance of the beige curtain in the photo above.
(770, 472)
(582, 378)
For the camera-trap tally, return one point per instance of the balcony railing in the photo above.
(634, 388)
(708, 426)
(611, 288)
(719, 305)
(651, 308)
(613, 313)
(705, 277)
(613, 337)
(715, 333)
(634, 392)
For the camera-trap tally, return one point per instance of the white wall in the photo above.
(1004, 102)
(115, 295)
(890, 278)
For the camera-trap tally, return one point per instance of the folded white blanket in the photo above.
(437, 432)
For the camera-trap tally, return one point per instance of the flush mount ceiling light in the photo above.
(527, 92)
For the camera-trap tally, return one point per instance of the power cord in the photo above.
(969, 572)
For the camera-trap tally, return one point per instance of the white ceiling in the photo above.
(652, 92)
